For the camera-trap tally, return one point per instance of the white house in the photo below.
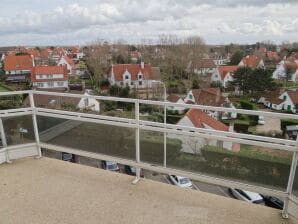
(137, 76)
(18, 68)
(203, 66)
(224, 74)
(210, 97)
(70, 65)
(283, 68)
(252, 61)
(285, 101)
(175, 99)
(198, 119)
(49, 77)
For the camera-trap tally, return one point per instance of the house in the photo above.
(203, 66)
(49, 77)
(252, 61)
(66, 103)
(224, 74)
(210, 97)
(198, 119)
(70, 65)
(175, 99)
(18, 68)
(138, 76)
(285, 101)
(286, 69)
(135, 56)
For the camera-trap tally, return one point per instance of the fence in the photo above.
(155, 146)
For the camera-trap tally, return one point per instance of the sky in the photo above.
(77, 22)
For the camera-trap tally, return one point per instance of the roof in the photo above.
(52, 101)
(53, 191)
(20, 62)
(49, 70)
(208, 96)
(225, 69)
(292, 66)
(173, 98)
(68, 60)
(204, 63)
(293, 96)
(133, 69)
(272, 55)
(200, 119)
(251, 61)
(275, 100)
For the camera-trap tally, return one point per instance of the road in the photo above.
(213, 189)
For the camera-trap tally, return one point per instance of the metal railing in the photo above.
(141, 125)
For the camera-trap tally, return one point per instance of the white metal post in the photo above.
(290, 185)
(4, 142)
(34, 119)
(137, 118)
(165, 123)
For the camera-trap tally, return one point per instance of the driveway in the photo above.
(271, 124)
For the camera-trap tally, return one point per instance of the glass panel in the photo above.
(14, 101)
(19, 130)
(245, 163)
(91, 137)
(151, 147)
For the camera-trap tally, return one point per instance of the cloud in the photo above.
(218, 20)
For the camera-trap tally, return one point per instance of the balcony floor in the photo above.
(38, 191)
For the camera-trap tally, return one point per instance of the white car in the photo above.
(248, 196)
(181, 181)
(261, 120)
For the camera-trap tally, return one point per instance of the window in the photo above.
(190, 96)
(86, 102)
(131, 83)
(126, 77)
(121, 83)
(285, 97)
(39, 84)
(60, 83)
(49, 76)
(50, 84)
(140, 83)
(140, 76)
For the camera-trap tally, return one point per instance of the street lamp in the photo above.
(165, 121)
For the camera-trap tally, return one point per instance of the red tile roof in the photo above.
(225, 69)
(173, 98)
(200, 119)
(68, 60)
(133, 69)
(272, 55)
(209, 97)
(293, 96)
(204, 63)
(49, 70)
(21, 62)
(251, 61)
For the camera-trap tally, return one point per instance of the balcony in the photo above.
(52, 191)
(46, 189)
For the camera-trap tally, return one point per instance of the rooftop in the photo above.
(52, 191)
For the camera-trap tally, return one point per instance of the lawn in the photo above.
(3, 89)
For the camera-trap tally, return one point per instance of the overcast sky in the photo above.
(58, 22)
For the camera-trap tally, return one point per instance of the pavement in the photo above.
(45, 190)
(271, 125)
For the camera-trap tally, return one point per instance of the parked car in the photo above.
(109, 165)
(248, 196)
(130, 170)
(273, 202)
(261, 120)
(68, 157)
(181, 181)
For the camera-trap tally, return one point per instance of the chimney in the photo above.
(33, 62)
(142, 65)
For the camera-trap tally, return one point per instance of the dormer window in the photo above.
(126, 77)
(140, 76)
